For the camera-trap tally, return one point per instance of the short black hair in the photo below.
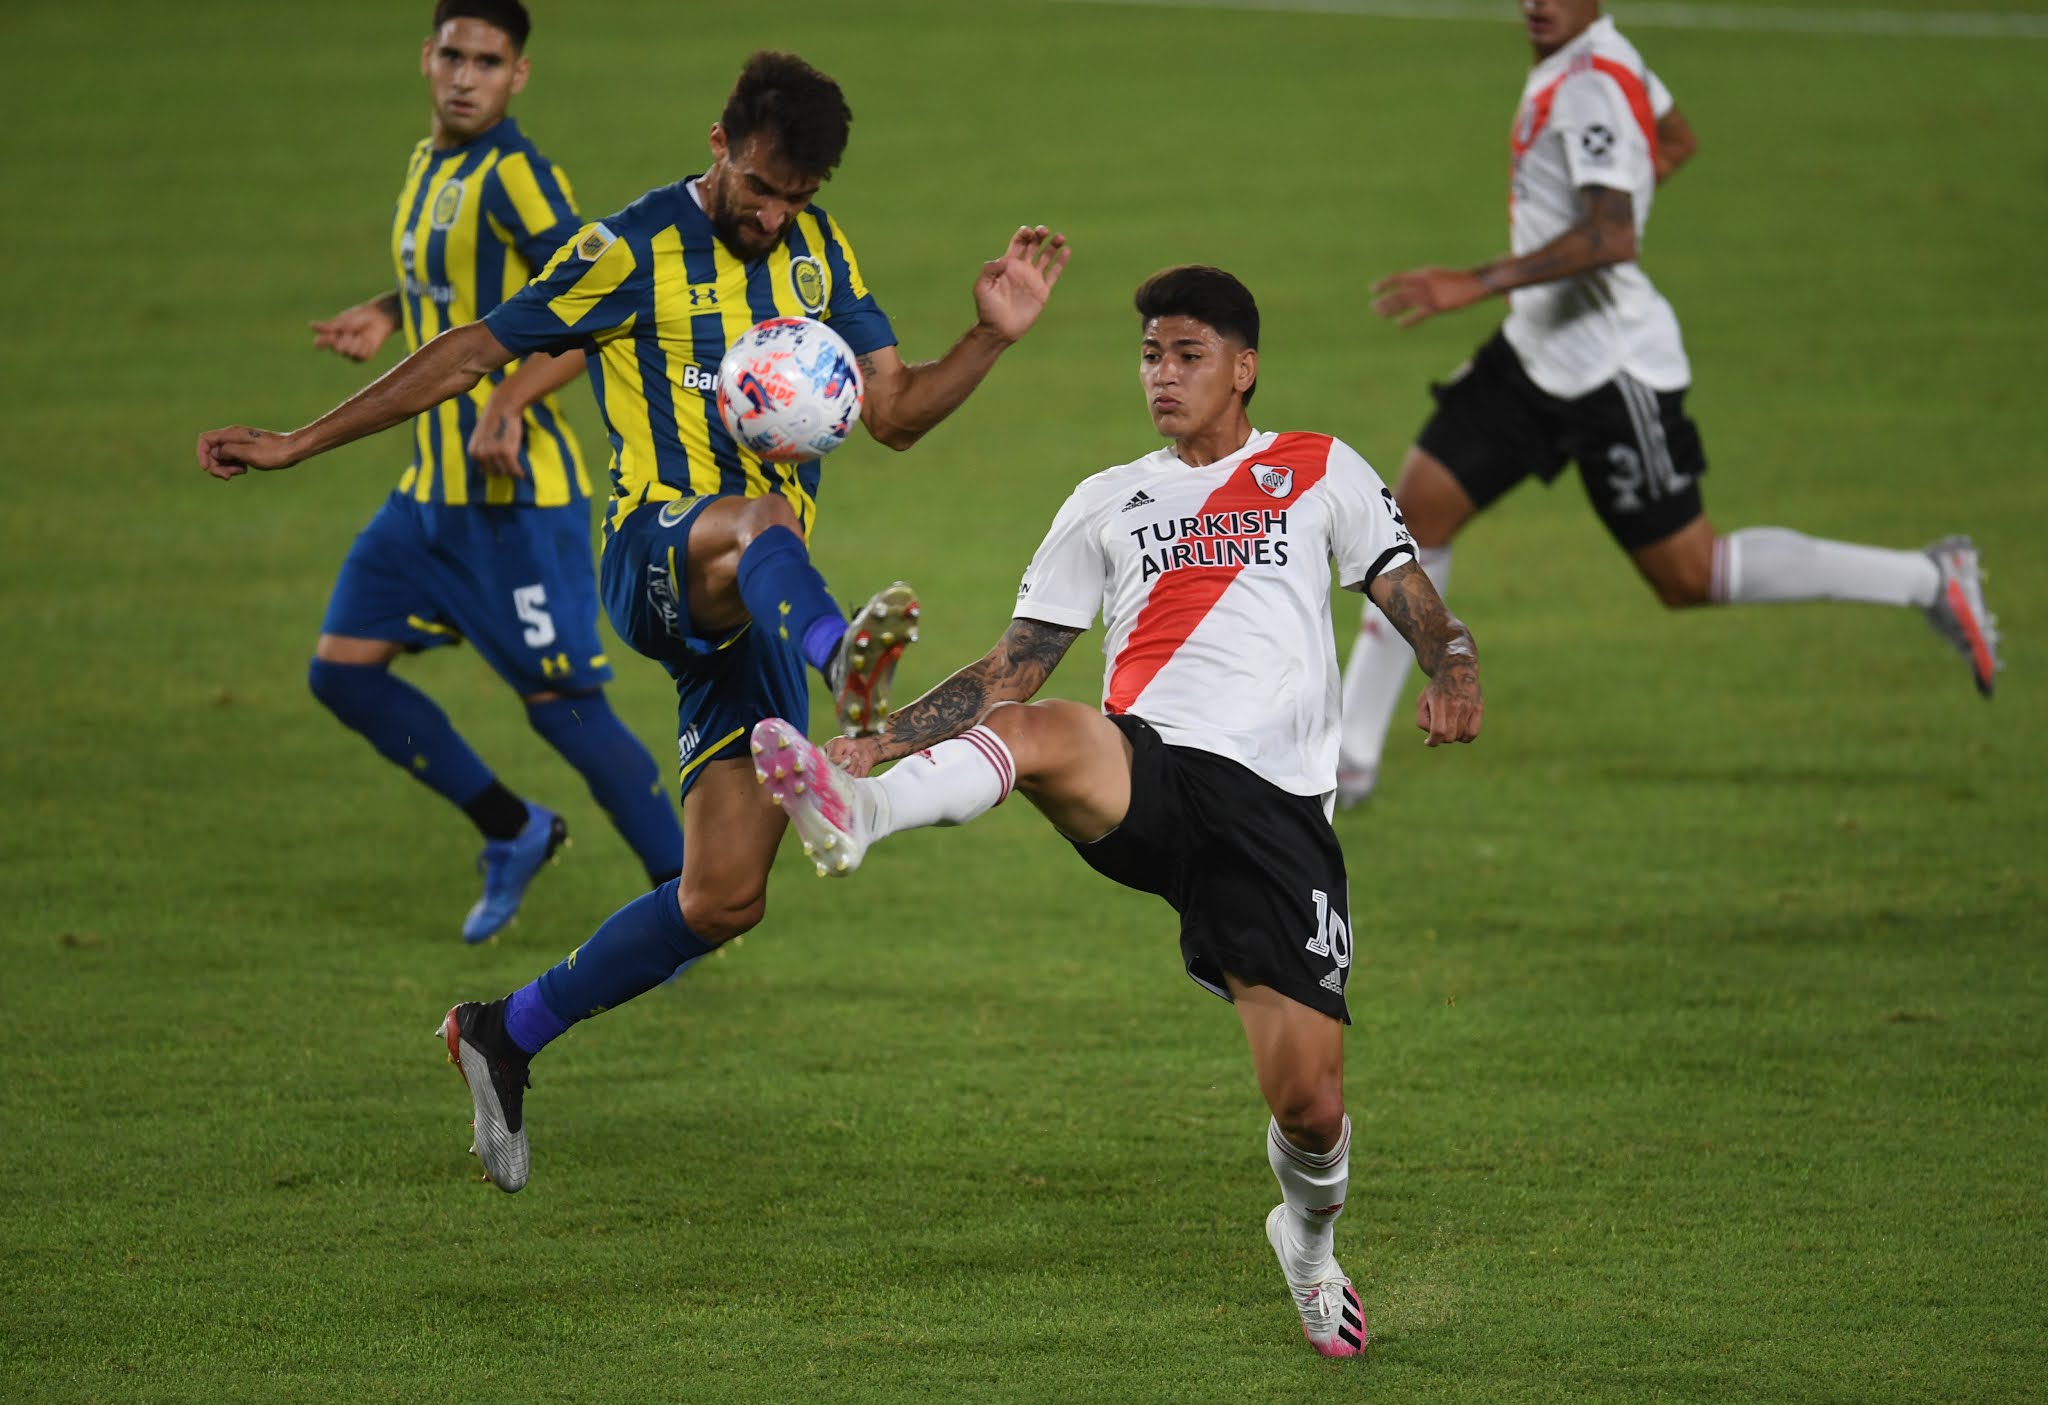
(508, 15)
(800, 110)
(1210, 296)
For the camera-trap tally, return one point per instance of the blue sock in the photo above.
(784, 591)
(636, 949)
(621, 775)
(404, 725)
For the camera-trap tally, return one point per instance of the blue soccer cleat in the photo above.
(508, 865)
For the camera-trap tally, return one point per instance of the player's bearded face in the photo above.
(756, 197)
(473, 71)
(1190, 372)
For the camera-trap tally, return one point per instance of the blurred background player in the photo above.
(706, 566)
(487, 537)
(1589, 366)
(1199, 780)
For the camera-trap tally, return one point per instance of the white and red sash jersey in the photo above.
(1214, 588)
(1589, 117)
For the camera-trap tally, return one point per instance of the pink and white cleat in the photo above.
(819, 798)
(1332, 1318)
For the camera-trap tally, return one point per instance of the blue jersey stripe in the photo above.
(460, 270)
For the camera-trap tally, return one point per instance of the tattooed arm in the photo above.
(1605, 234)
(902, 402)
(1013, 671)
(1450, 707)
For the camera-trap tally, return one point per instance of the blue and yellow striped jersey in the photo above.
(473, 223)
(654, 298)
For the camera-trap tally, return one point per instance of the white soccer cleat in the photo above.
(1958, 613)
(820, 799)
(1332, 1318)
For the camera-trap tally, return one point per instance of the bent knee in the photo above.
(1311, 1118)
(1681, 590)
(768, 510)
(719, 912)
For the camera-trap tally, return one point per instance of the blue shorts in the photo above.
(516, 582)
(725, 683)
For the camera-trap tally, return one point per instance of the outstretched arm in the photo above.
(1013, 671)
(448, 365)
(1605, 234)
(1450, 707)
(903, 402)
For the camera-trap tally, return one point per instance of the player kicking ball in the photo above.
(1208, 775)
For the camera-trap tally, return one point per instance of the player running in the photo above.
(1589, 366)
(1206, 778)
(705, 566)
(484, 542)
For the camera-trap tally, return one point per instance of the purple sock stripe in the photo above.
(529, 1022)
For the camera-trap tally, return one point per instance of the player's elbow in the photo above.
(893, 436)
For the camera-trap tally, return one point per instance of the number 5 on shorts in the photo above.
(531, 602)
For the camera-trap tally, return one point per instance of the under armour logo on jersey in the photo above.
(1597, 142)
(1141, 498)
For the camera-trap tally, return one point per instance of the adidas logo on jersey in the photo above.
(1141, 498)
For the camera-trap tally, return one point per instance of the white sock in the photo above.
(1313, 1185)
(1377, 672)
(951, 783)
(1771, 565)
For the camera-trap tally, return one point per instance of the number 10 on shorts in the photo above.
(1332, 937)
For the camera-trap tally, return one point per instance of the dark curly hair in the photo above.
(798, 109)
(1208, 295)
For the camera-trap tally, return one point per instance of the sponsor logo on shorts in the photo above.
(688, 742)
(673, 512)
(662, 596)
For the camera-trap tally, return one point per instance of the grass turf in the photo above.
(1698, 1048)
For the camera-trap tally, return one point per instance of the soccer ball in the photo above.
(789, 390)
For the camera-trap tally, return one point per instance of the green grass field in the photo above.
(1699, 1047)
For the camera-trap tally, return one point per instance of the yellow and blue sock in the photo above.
(784, 591)
(621, 775)
(636, 949)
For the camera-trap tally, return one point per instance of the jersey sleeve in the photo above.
(1661, 101)
(594, 290)
(852, 310)
(530, 202)
(1367, 533)
(1063, 584)
(1604, 144)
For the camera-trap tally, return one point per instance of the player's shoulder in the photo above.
(1115, 484)
(1603, 57)
(1311, 448)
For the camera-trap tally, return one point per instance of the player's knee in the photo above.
(329, 682)
(720, 911)
(1039, 735)
(1684, 586)
(1311, 1116)
(768, 510)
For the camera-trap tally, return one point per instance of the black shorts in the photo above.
(1255, 872)
(1639, 454)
